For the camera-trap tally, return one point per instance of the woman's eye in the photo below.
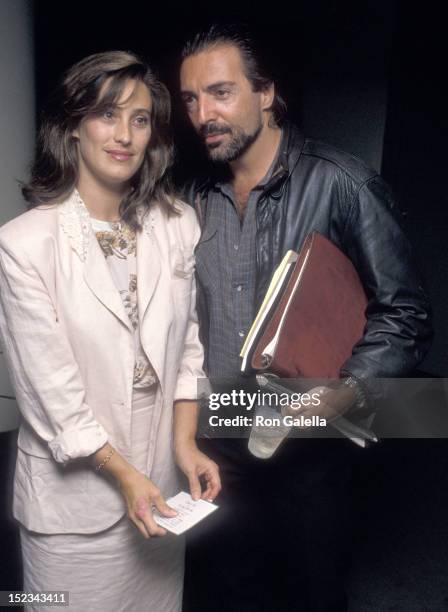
(141, 120)
(108, 114)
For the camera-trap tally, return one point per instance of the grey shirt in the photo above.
(226, 268)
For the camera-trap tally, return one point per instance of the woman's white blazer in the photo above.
(70, 352)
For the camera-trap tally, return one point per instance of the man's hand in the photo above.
(195, 465)
(333, 403)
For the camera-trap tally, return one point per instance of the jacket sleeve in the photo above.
(191, 366)
(398, 331)
(43, 370)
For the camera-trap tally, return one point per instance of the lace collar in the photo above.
(76, 224)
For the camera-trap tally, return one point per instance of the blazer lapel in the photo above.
(99, 280)
(75, 223)
(148, 266)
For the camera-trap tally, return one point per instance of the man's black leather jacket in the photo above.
(317, 187)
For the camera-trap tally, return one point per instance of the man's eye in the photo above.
(221, 93)
(188, 100)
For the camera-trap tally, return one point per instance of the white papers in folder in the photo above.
(269, 350)
(276, 286)
(190, 513)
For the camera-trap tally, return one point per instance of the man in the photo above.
(279, 540)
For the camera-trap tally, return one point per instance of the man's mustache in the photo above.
(213, 129)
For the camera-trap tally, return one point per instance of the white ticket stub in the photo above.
(189, 513)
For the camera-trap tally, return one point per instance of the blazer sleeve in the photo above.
(46, 378)
(191, 366)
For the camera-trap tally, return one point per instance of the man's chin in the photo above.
(217, 153)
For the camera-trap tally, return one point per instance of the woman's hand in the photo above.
(196, 466)
(140, 493)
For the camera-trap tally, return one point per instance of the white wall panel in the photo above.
(17, 135)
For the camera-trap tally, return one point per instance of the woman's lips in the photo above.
(120, 155)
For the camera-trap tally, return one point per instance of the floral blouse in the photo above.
(118, 243)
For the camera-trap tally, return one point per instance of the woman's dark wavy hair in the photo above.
(55, 170)
(256, 62)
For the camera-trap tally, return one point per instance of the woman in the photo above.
(98, 319)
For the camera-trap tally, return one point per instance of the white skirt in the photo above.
(116, 569)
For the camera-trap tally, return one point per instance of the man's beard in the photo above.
(238, 144)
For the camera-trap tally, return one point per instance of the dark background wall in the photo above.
(415, 156)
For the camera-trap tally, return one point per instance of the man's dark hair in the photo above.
(255, 63)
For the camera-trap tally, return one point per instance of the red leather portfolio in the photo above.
(314, 316)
